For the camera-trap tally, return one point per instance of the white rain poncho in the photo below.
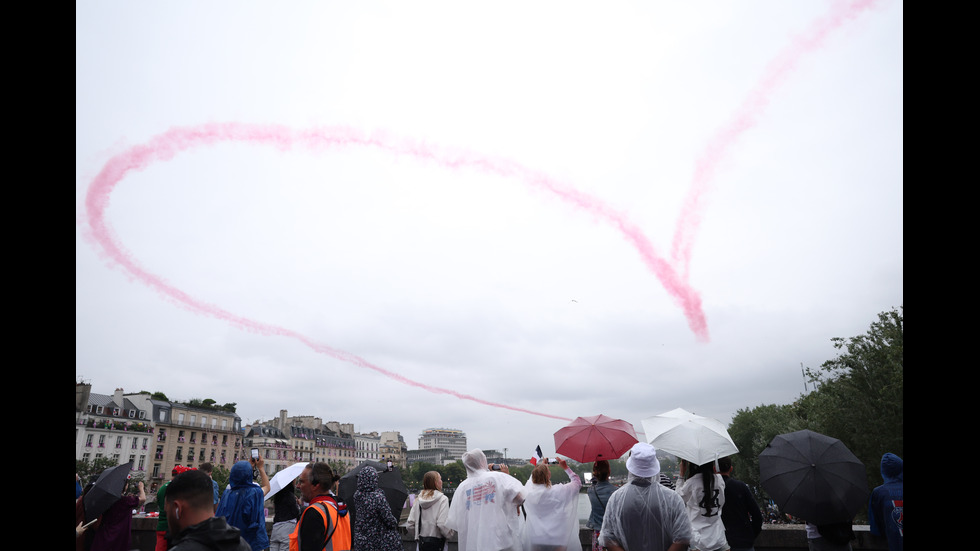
(484, 509)
(552, 513)
(645, 515)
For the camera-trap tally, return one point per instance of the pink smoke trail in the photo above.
(167, 145)
(746, 117)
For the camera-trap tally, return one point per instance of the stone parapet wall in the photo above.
(774, 537)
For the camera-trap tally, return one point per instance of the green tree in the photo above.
(752, 430)
(222, 476)
(87, 470)
(860, 393)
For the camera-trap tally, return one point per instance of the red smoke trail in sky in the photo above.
(167, 145)
(672, 274)
(745, 118)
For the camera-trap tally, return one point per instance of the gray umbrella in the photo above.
(814, 477)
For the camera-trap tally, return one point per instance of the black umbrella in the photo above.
(814, 477)
(106, 490)
(390, 483)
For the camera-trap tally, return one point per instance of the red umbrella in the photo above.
(588, 439)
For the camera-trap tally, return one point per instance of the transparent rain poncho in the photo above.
(552, 514)
(484, 508)
(644, 515)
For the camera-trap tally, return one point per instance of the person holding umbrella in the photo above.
(815, 477)
(704, 495)
(284, 519)
(599, 495)
(375, 526)
(112, 534)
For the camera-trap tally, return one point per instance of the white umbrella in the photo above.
(688, 436)
(281, 479)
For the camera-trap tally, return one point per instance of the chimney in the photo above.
(119, 400)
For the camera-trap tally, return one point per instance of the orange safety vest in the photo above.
(338, 536)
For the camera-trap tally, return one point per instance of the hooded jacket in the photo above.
(213, 534)
(243, 506)
(434, 510)
(886, 506)
(484, 509)
(375, 526)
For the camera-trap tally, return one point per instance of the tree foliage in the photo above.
(858, 399)
(89, 470)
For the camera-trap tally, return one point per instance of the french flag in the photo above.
(536, 456)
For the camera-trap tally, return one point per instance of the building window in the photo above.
(204, 421)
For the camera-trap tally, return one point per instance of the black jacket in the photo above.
(213, 534)
(741, 514)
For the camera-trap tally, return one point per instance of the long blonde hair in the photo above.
(429, 483)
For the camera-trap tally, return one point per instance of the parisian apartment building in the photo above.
(155, 435)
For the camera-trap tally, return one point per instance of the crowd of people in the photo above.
(707, 510)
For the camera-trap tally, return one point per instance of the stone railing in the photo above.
(774, 537)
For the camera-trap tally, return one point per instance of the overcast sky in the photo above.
(551, 209)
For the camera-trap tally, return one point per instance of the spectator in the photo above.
(375, 526)
(208, 469)
(643, 515)
(598, 496)
(112, 533)
(552, 510)
(243, 506)
(284, 521)
(484, 508)
(190, 516)
(740, 513)
(434, 505)
(324, 524)
(704, 495)
(885, 506)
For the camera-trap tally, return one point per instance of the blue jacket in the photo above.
(243, 506)
(886, 507)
